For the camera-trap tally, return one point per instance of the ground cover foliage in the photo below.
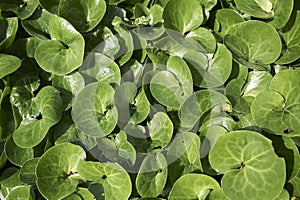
(149, 99)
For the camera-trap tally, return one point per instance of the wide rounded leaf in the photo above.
(193, 186)
(93, 110)
(56, 170)
(253, 50)
(114, 179)
(83, 14)
(33, 130)
(278, 109)
(173, 86)
(64, 52)
(8, 64)
(183, 16)
(247, 160)
(152, 175)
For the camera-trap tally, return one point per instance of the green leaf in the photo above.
(172, 87)
(83, 14)
(193, 186)
(113, 178)
(184, 155)
(27, 172)
(160, 130)
(3, 157)
(9, 27)
(249, 161)
(33, 130)
(256, 8)
(290, 35)
(19, 192)
(132, 105)
(205, 38)
(69, 87)
(216, 71)
(278, 108)
(118, 149)
(282, 12)
(38, 24)
(66, 46)
(8, 64)
(22, 96)
(51, 6)
(56, 171)
(15, 154)
(198, 104)
(80, 194)
(152, 175)
(253, 50)
(258, 81)
(9, 178)
(99, 67)
(183, 16)
(208, 6)
(225, 18)
(217, 194)
(93, 111)
(23, 8)
(125, 41)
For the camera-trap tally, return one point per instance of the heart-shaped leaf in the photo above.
(278, 108)
(248, 160)
(253, 50)
(173, 86)
(133, 106)
(152, 175)
(33, 130)
(56, 171)
(93, 111)
(66, 46)
(114, 179)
